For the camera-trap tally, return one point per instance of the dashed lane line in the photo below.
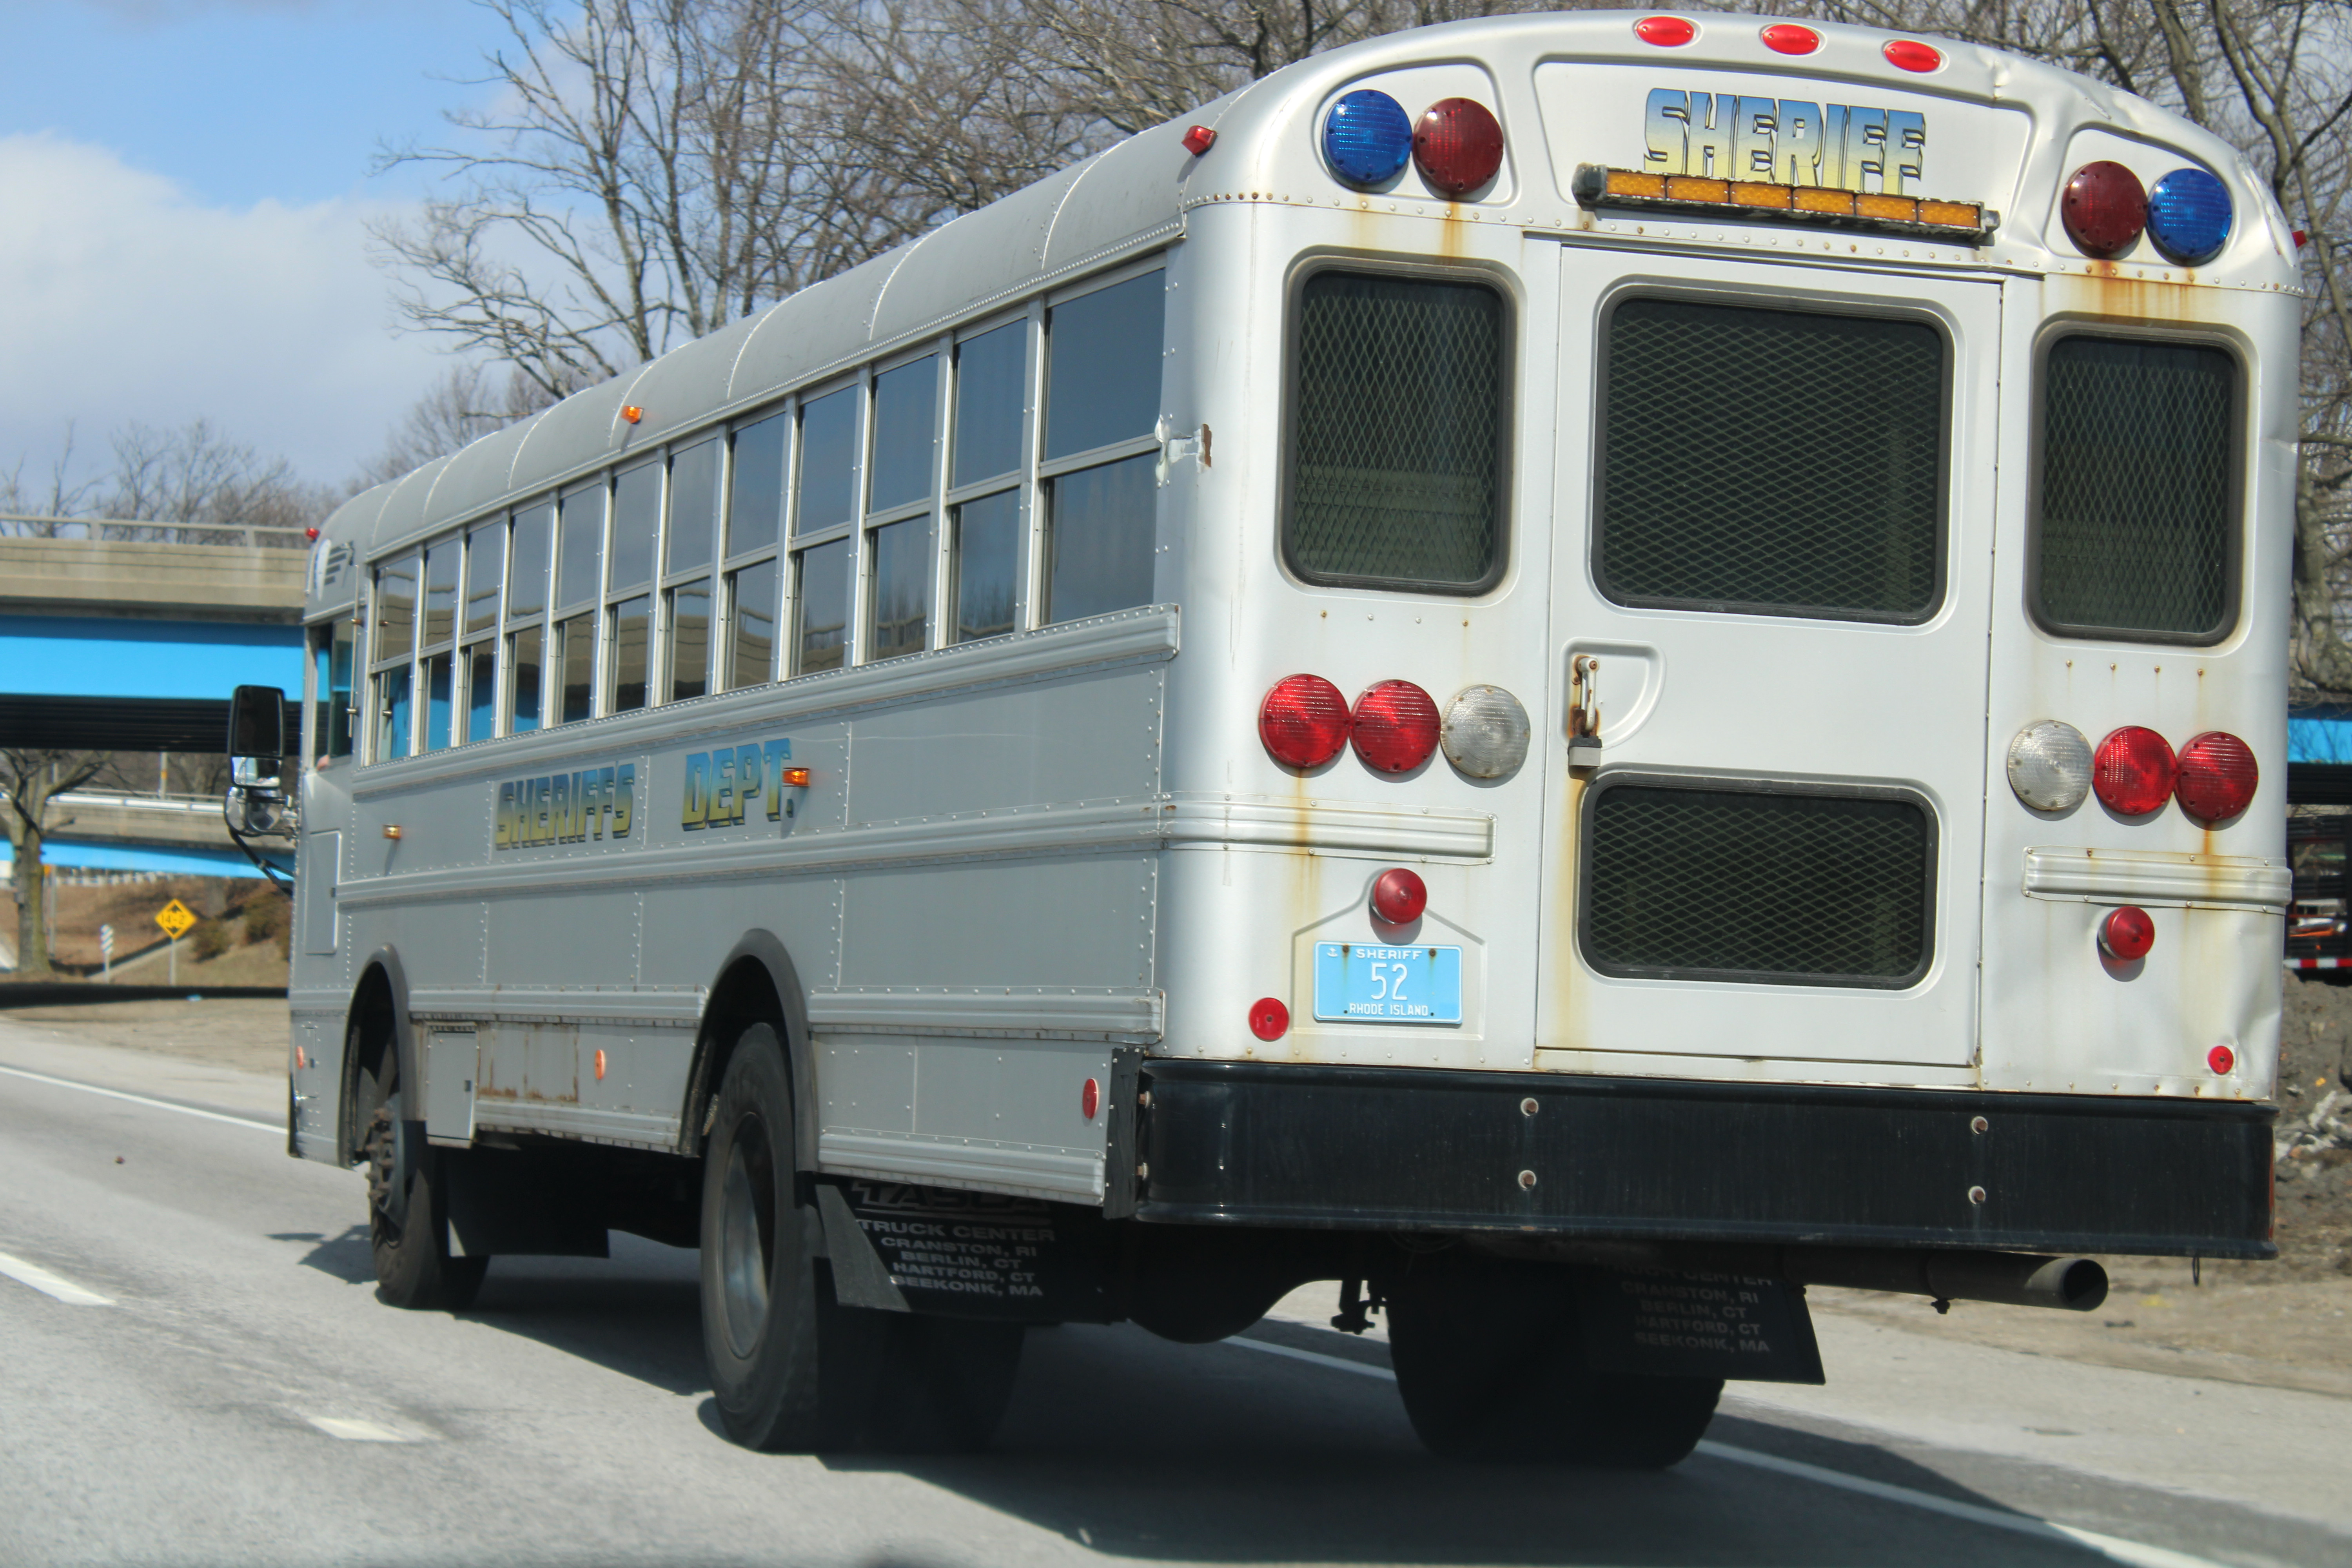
(2114, 1547)
(49, 1284)
(144, 1100)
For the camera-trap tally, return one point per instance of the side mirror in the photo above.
(256, 725)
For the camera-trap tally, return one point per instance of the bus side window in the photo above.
(526, 612)
(754, 522)
(477, 655)
(440, 625)
(824, 500)
(686, 546)
(900, 550)
(1102, 402)
(637, 518)
(991, 372)
(580, 530)
(390, 675)
(331, 713)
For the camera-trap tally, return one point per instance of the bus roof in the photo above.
(1134, 197)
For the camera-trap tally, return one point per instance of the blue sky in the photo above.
(184, 192)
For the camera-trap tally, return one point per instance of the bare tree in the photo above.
(191, 484)
(466, 403)
(30, 780)
(644, 181)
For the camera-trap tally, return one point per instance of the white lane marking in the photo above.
(1339, 1363)
(49, 1284)
(352, 1431)
(142, 1100)
(2130, 1551)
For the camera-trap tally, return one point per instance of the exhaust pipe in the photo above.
(2010, 1278)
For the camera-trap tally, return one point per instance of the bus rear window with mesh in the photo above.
(1396, 477)
(1728, 884)
(1772, 462)
(2136, 514)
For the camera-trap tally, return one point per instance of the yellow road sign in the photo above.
(174, 919)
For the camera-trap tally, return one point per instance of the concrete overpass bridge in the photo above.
(130, 636)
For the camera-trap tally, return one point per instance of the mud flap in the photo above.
(1655, 1323)
(952, 1254)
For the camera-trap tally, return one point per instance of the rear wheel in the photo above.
(409, 1232)
(1492, 1368)
(791, 1368)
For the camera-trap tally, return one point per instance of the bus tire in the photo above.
(790, 1369)
(1491, 1369)
(408, 1235)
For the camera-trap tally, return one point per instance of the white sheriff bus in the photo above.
(1572, 670)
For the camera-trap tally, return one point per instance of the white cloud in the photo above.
(121, 298)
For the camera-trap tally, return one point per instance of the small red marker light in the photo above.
(2132, 771)
(2301, 239)
(1090, 1099)
(310, 533)
(600, 1066)
(632, 413)
(1269, 1019)
(1395, 727)
(1399, 896)
(1911, 55)
(2103, 207)
(2127, 933)
(1199, 139)
(1788, 39)
(2222, 1060)
(1666, 32)
(1303, 720)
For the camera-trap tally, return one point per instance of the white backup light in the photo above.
(2050, 765)
(1485, 731)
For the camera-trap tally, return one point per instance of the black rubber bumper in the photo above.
(1262, 1143)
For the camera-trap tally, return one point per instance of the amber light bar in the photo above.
(1596, 186)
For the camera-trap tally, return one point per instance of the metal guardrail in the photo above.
(124, 530)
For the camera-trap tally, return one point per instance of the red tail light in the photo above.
(1399, 896)
(1303, 722)
(2127, 933)
(1458, 146)
(2103, 208)
(1395, 727)
(2217, 776)
(2132, 771)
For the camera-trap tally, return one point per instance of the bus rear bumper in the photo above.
(1402, 1149)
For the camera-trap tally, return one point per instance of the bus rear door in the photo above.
(1774, 519)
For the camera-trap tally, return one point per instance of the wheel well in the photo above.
(376, 1022)
(745, 994)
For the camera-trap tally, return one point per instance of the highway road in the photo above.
(193, 1370)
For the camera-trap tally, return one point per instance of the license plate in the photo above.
(1364, 983)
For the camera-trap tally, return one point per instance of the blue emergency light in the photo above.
(2188, 216)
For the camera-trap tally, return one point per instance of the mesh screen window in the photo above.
(1397, 455)
(1772, 462)
(1718, 884)
(2136, 518)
